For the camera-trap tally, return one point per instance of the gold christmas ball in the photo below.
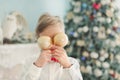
(61, 39)
(44, 42)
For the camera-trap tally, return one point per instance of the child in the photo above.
(43, 68)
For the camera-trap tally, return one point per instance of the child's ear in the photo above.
(61, 39)
(44, 42)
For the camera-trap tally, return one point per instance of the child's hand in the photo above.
(44, 57)
(60, 54)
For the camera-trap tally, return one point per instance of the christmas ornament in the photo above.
(105, 65)
(99, 14)
(109, 31)
(44, 42)
(83, 69)
(84, 5)
(98, 72)
(70, 15)
(105, 2)
(109, 13)
(96, 6)
(77, 7)
(83, 58)
(101, 33)
(101, 19)
(108, 20)
(92, 17)
(85, 54)
(77, 19)
(98, 63)
(77, 3)
(85, 29)
(61, 39)
(80, 43)
(94, 55)
(117, 40)
(114, 28)
(75, 34)
(80, 29)
(102, 58)
(118, 57)
(76, 10)
(95, 29)
(89, 69)
(115, 24)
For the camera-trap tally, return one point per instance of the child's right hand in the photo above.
(44, 58)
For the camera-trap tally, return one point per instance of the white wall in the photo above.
(32, 9)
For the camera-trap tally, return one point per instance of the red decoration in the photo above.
(96, 6)
(91, 17)
(54, 59)
(113, 75)
(114, 28)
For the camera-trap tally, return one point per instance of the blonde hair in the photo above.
(45, 20)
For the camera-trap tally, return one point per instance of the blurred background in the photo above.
(93, 28)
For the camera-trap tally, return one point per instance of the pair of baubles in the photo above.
(59, 39)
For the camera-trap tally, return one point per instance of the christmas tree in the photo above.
(94, 34)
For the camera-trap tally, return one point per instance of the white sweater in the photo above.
(54, 71)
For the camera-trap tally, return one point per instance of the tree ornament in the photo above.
(98, 72)
(78, 3)
(85, 29)
(102, 58)
(114, 28)
(105, 2)
(76, 9)
(117, 57)
(98, 63)
(109, 31)
(88, 13)
(99, 14)
(77, 19)
(96, 6)
(106, 65)
(94, 55)
(75, 34)
(83, 58)
(80, 29)
(115, 24)
(83, 69)
(84, 5)
(80, 43)
(117, 40)
(92, 17)
(108, 20)
(85, 54)
(101, 19)
(109, 13)
(70, 15)
(95, 29)
(89, 69)
(101, 33)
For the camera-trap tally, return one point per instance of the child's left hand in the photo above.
(60, 54)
